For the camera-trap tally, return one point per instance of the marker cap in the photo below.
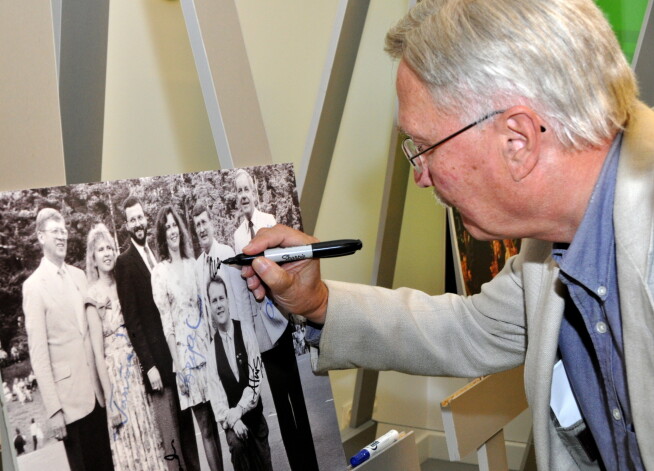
(360, 457)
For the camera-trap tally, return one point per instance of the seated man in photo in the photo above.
(235, 391)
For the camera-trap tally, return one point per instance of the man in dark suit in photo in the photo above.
(143, 323)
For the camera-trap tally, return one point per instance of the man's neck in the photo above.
(207, 249)
(226, 328)
(566, 192)
(56, 261)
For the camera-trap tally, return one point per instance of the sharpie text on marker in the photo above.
(332, 248)
(375, 448)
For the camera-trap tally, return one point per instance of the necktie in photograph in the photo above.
(149, 256)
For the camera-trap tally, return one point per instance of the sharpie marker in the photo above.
(375, 448)
(332, 248)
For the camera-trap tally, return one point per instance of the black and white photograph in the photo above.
(126, 343)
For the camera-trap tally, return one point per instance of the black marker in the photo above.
(332, 248)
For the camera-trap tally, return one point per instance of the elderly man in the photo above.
(247, 201)
(61, 351)
(524, 116)
(275, 339)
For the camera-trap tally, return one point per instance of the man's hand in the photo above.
(295, 286)
(155, 379)
(233, 414)
(58, 425)
(240, 430)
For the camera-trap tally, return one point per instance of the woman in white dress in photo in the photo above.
(185, 324)
(135, 440)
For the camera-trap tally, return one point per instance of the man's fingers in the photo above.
(60, 433)
(277, 236)
(275, 277)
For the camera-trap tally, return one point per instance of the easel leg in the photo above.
(492, 454)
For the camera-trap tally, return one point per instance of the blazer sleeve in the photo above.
(412, 332)
(37, 335)
(128, 294)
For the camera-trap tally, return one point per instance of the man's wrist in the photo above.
(318, 314)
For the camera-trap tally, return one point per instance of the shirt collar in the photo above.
(229, 335)
(52, 268)
(590, 256)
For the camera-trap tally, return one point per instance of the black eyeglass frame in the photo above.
(411, 158)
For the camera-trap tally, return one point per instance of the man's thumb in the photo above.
(273, 276)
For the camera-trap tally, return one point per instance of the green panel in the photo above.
(626, 17)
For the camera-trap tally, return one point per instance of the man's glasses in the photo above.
(57, 232)
(412, 151)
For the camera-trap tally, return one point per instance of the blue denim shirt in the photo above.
(590, 340)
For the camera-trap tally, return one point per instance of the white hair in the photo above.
(559, 57)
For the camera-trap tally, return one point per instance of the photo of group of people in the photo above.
(146, 351)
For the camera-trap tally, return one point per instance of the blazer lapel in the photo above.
(544, 324)
(52, 288)
(633, 220)
(138, 260)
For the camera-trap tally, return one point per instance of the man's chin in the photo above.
(139, 240)
(478, 233)
(440, 200)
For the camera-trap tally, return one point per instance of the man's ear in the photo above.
(521, 140)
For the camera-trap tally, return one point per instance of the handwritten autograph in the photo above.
(194, 358)
(214, 266)
(173, 456)
(254, 378)
(119, 395)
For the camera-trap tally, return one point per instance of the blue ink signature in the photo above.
(119, 397)
(194, 358)
(270, 309)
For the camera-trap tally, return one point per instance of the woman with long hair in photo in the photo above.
(135, 440)
(176, 293)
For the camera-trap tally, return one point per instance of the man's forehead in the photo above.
(54, 223)
(202, 217)
(243, 180)
(135, 210)
(217, 285)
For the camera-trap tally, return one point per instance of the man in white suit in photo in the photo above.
(274, 336)
(247, 201)
(60, 350)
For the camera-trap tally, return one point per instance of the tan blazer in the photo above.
(59, 343)
(517, 316)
